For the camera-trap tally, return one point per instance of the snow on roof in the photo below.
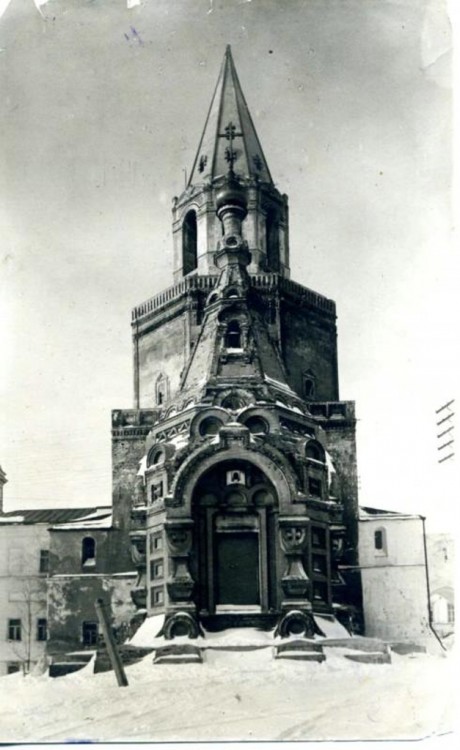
(12, 519)
(368, 514)
(278, 383)
(49, 515)
(101, 518)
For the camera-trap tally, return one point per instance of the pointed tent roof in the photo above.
(229, 126)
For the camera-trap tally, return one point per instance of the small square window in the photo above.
(156, 569)
(156, 597)
(13, 667)
(156, 542)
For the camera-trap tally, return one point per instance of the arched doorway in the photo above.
(234, 506)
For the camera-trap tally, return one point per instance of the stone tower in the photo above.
(236, 468)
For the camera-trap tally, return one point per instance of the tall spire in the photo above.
(229, 137)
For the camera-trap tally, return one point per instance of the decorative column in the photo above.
(181, 610)
(295, 583)
(137, 537)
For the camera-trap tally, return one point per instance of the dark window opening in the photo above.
(88, 551)
(89, 631)
(379, 540)
(233, 335)
(13, 667)
(161, 390)
(156, 542)
(44, 561)
(14, 630)
(42, 629)
(210, 426)
(257, 425)
(314, 451)
(319, 564)
(314, 486)
(309, 387)
(320, 592)
(156, 569)
(156, 597)
(156, 491)
(189, 243)
(272, 239)
(318, 537)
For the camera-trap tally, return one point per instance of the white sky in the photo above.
(351, 101)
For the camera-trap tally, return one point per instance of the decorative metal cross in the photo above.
(230, 134)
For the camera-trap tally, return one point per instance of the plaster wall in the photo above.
(112, 552)
(22, 590)
(394, 584)
(71, 601)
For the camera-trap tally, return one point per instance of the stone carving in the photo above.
(293, 539)
(181, 584)
(296, 622)
(181, 624)
(295, 582)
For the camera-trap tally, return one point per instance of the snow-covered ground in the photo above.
(235, 696)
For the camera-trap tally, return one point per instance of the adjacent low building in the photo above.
(394, 574)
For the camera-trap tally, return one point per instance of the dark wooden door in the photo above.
(237, 568)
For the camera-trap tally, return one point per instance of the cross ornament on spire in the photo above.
(230, 134)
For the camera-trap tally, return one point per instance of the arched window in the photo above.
(257, 425)
(210, 426)
(309, 387)
(315, 451)
(233, 335)
(88, 551)
(161, 390)
(156, 457)
(189, 243)
(380, 541)
(272, 241)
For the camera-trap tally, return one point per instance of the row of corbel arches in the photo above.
(207, 424)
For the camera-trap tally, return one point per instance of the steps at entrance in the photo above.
(178, 654)
(360, 649)
(227, 620)
(300, 650)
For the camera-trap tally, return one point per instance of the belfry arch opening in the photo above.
(189, 243)
(234, 505)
